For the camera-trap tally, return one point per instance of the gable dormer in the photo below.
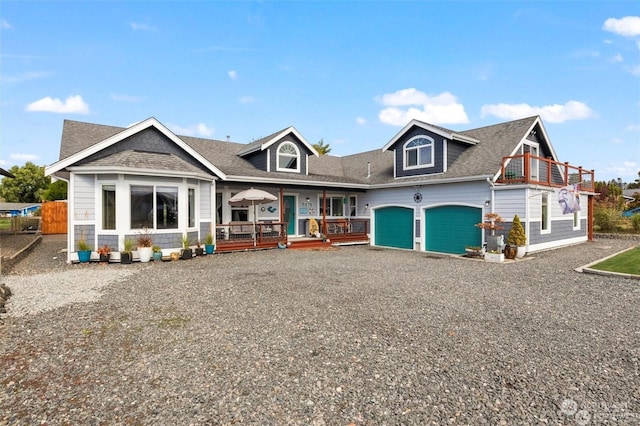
(423, 149)
(285, 151)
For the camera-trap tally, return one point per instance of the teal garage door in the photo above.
(394, 227)
(449, 229)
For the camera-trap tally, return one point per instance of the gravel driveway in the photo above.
(353, 335)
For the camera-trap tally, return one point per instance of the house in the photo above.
(18, 209)
(425, 189)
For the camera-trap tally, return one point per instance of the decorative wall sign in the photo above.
(417, 197)
(271, 209)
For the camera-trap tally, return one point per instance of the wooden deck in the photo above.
(531, 169)
(239, 237)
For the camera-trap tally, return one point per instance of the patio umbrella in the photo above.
(254, 196)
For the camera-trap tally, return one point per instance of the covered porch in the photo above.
(239, 236)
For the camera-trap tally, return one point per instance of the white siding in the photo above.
(84, 197)
(205, 200)
(509, 203)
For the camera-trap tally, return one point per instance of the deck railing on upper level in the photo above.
(531, 169)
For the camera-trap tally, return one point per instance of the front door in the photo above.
(290, 213)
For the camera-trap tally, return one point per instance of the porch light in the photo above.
(366, 206)
(487, 203)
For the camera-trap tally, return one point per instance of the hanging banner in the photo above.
(569, 199)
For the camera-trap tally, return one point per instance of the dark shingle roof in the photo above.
(482, 159)
(144, 160)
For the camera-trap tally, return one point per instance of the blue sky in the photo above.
(351, 73)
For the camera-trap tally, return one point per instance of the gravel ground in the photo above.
(347, 336)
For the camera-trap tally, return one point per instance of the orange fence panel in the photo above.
(54, 217)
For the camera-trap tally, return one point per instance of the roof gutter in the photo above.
(296, 182)
(430, 182)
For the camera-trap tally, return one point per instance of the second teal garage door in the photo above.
(394, 227)
(449, 229)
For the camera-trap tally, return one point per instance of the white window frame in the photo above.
(100, 208)
(330, 199)
(419, 165)
(545, 216)
(297, 156)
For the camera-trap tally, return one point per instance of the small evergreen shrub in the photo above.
(517, 236)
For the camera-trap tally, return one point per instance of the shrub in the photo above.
(606, 219)
(516, 236)
(635, 223)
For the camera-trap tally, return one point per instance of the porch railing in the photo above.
(344, 227)
(245, 232)
(531, 169)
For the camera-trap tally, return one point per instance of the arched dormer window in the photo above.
(418, 152)
(288, 158)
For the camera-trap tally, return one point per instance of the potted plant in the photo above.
(126, 256)
(474, 251)
(208, 243)
(492, 223)
(199, 248)
(105, 253)
(187, 253)
(84, 250)
(157, 253)
(517, 236)
(145, 245)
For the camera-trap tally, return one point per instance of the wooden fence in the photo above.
(54, 217)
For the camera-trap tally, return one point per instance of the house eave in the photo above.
(139, 172)
(279, 181)
(430, 182)
(426, 126)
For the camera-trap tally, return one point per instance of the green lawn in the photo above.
(627, 262)
(5, 223)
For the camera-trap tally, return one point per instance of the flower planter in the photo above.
(157, 256)
(144, 253)
(494, 257)
(199, 251)
(84, 256)
(104, 258)
(209, 248)
(522, 250)
(186, 254)
(474, 252)
(126, 257)
(510, 251)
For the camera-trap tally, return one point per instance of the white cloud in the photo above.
(27, 76)
(233, 75)
(408, 104)
(361, 121)
(617, 58)
(136, 26)
(73, 105)
(247, 100)
(633, 127)
(572, 110)
(634, 70)
(119, 97)
(24, 157)
(629, 26)
(5, 25)
(3, 163)
(199, 129)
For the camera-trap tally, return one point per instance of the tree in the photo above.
(321, 147)
(27, 187)
(635, 184)
(56, 191)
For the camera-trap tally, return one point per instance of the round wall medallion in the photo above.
(417, 197)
